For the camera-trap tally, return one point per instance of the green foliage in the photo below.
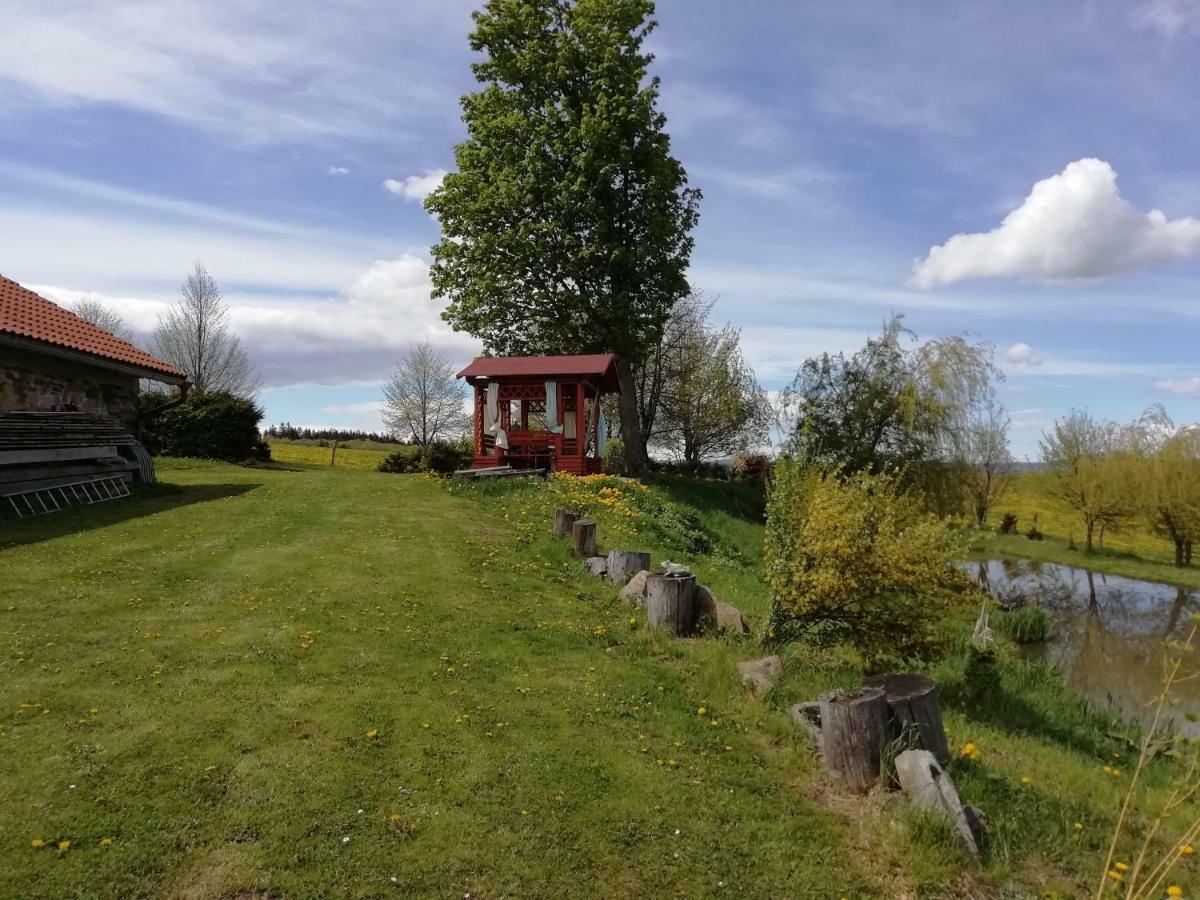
(1024, 625)
(614, 458)
(446, 457)
(214, 425)
(859, 560)
(888, 406)
(566, 227)
(402, 462)
(1008, 524)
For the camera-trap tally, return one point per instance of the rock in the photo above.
(930, 788)
(635, 591)
(760, 675)
(717, 617)
(597, 565)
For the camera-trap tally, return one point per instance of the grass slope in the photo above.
(361, 455)
(194, 675)
(1133, 552)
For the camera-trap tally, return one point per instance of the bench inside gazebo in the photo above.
(541, 412)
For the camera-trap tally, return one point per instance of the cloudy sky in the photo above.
(1026, 172)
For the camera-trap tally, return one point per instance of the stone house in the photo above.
(53, 361)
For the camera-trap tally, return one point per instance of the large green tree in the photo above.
(567, 225)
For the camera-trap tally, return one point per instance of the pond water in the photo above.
(1108, 630)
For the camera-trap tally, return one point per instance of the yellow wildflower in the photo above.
(1174, 891)
(372, 734)
(37, 843)
(1079, 826)
(1187, 850)
(1120, 866)
(1025, 779)
(210, 768)
(1115, 875)
(106, 842)
(702, 711)
(64, 846)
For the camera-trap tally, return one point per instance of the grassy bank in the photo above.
(1132, 552)
(333, 683)
(360, 455)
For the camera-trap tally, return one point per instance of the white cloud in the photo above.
(335, 171)
(415, 187)
(1170, 18)
(1022, 355)
(1073, 225)
(1184, 387)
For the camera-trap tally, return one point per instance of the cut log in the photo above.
(915, 713)
(671, 603)
(583, 537)
(563, 520)
(624, 564)
(930, 788)
(854, 730)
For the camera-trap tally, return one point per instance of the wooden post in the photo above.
(564, 519)
(854, 730)
(333, 456)
(915, 713)
(624, 564)
(671, 603)
(583, 537)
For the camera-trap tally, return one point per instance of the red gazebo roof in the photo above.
(29, 316)
(601, 365)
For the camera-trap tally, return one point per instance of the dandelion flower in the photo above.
(64, 846)
(1115, 875)
(1174, 891)
(106, 842)
(37, 843)
(1187, 850)
(702, 711)
(210, 768)
(1120, 866)
(372, 734)
(1025, 779)
(1079, 826)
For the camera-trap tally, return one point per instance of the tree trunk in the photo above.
(631, 429)
(624, 564)
(1091, 527)
(1178, 552)
(916, 713)
(1187, 553)
(670, 602)
(583, 537)
(563, 520)
(854, 729)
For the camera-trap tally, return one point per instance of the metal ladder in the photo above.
(40, 501)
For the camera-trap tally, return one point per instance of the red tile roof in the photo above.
(27, 315)
(603, 365)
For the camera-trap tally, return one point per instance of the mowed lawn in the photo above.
(269, 683)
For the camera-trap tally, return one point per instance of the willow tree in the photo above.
(566, 227)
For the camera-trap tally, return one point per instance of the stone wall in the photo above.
(32, 381)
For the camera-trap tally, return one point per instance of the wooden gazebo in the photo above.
(541, 412)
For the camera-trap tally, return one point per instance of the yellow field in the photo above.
(305, 454)
(1032, 493)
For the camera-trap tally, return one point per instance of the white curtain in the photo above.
(601, 434)
(552, 407)
(491, 416)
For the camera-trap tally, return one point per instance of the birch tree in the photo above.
(423, 401)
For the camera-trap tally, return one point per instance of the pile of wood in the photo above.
(40, 450)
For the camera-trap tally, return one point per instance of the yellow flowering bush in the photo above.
(858, 559)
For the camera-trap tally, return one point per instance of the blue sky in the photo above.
(288, 145)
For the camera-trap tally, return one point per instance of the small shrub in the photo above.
(859, 560)
(402, 462)
(213, 425)
(446, 457)
(981, 674)
(1024, 625)
(1008, 524)
(1033, 534)
(614, 458)
(751, 465)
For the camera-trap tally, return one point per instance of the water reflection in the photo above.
(1108, 630)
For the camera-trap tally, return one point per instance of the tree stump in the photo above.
(854, 730)
(624, 564)
(583, 537)
(671, 603)
(915, 718)
(563, 520)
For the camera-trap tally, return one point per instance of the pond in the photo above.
(1108, 630)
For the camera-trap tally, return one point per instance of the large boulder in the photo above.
(597, 565)
(635, 591)
(717, 617)
(930, 788)
(760, 675)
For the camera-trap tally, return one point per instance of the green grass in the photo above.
(239, 633)
(361, 455)
(1132, 552)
